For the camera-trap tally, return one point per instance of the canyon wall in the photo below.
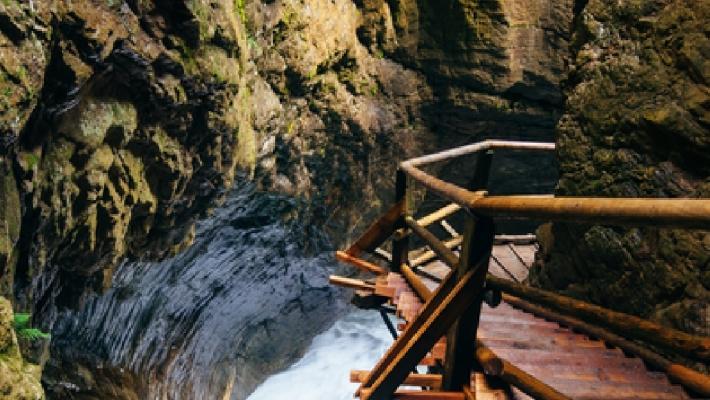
(636, 124)
(125, 122)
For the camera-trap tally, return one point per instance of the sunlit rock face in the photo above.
(636, 124)
(118, 138)
(127, 120)
(19, 380)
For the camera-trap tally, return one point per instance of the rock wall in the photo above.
(124, 122)
(637, 123)
(120, 129)
(494, 68)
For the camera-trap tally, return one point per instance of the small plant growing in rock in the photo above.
(240, 7)
(22, 327)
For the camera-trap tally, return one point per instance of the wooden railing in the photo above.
(454, 308)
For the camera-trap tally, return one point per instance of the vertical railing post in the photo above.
(400, 248)
(479, 233)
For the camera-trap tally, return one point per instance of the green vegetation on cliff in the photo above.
(19, 380)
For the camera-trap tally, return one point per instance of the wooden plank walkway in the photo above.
(574, 364)
(555, 363)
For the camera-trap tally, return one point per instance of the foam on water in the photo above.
(356, 341)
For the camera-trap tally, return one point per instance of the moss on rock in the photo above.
(634, 127)
(19, 380)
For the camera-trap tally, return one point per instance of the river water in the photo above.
(356, 341)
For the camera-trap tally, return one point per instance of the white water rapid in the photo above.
(356, 341)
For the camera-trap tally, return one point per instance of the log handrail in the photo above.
(360, 263)
(699, 383)
(427, 327)
(625, 325)
(446, 255)
(428, 255)
(427, 220)
(670, 213)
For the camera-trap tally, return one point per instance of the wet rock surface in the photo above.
(636, 125)
(240, 304)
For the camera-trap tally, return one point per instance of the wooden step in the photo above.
(574, 364)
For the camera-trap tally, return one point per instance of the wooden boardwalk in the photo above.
(574, 364)
(536, 343)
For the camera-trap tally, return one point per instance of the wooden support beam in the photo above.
(383, 254)
(416, 283)
(469, 393)
(360, 263)
(629, 326)
(422, 334)
(446, 255)
(378, 232)
(476, 250)
(493, 365)
(351, 283)
(425, 380)
(413, 327)
(448, 228)
(427, 395)
(516, 239)
(429, 219)
(427, 255)
(690, 379)
(400, 246)
(461, 337)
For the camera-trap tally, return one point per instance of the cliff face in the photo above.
(124, 122)
(636, 123)
(494, 68)
(119, 131)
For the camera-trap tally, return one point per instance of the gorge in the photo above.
(176, 174)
